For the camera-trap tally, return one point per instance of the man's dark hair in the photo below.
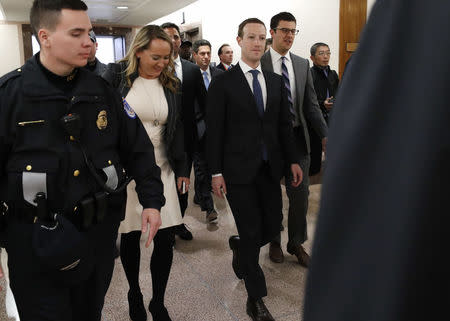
(314, 47)
(219, 52)
(247, 21)
(269, 41)
(46, 13)
(202, 42)
(186, 43)
(285, 16)
(168, 25)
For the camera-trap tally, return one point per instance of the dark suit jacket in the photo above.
(323, 83)
(235, 130)
(222, 67)
(192, 91)
(200, 112)
(382, 237)
(306, 107)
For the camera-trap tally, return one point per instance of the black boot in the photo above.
(159, 312)
(136, 306)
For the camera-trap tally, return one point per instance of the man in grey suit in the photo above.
(297, 78)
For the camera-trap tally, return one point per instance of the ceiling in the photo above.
(139, 12)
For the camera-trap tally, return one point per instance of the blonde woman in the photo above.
(146, 80)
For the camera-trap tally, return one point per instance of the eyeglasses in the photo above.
(324, 53)
(286, 31)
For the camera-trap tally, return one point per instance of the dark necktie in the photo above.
(325, 71)
(257, 92)
(287, 84)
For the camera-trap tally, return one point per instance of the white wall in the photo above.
(10, 47)
(317, 20)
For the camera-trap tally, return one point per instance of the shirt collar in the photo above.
(276, 56)
(208, 71)
(177, 61)
(246, 68)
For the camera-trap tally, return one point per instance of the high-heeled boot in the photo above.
(159, 312)
(136, 306)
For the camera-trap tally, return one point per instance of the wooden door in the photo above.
(352, 18)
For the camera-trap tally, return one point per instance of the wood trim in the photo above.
(352, 19)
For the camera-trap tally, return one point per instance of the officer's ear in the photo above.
(43, 35)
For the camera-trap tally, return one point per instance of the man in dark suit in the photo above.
(201, 52)
(381, 243)
(304, 108)
(192, 91)
(249, 142)
(326, 83)
(225, 54)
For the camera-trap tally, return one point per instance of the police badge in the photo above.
(102, 120)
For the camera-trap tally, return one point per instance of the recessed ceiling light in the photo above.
(122, 7)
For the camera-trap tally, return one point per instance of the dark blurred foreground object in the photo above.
(382, 233)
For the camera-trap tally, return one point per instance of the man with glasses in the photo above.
(326, 82)
(304, 109)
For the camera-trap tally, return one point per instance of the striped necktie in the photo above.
(287, 84)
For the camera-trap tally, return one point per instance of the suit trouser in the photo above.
(202, 181)
(39, 297)
(298, 208)
(257, 212)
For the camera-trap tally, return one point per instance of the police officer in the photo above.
(68, 146)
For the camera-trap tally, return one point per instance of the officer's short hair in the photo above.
(202, 42)
(46, 13)
(315, 46)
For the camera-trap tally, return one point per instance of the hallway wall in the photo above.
(317, 21)
(10, 47)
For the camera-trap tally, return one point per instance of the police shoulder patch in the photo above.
(130, 112)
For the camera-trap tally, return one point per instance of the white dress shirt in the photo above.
(208, 73)
(262, 82)
(276, 63)
(178, 68)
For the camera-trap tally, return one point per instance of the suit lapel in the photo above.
(270, 93)
(266, 62)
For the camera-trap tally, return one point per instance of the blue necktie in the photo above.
(205, 79)
(257, 92)
(287, 84)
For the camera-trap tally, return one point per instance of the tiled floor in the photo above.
(202, 285)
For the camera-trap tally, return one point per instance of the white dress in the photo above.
(147, 99)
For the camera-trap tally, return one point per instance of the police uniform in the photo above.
(38, 153)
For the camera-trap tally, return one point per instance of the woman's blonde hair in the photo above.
(141, 42)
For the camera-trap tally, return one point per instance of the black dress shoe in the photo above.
(136, 306)
(234, 246)
(183, 232)
(159, 312)
(258, 311)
